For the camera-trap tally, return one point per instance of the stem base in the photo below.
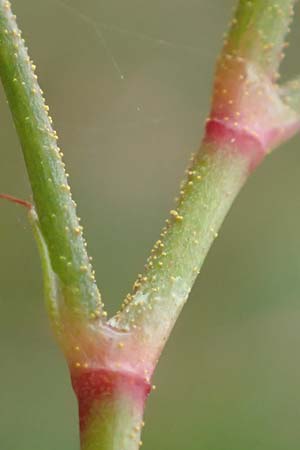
(111, 406)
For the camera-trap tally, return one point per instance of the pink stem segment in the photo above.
(19, 201)
(95, 386)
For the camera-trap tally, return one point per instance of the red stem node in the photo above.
(94, 388)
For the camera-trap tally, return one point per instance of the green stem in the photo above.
(115, 425)
(258, 32)
(56, 210)
(249, 118)
(214, 179)
(111, 406)
(111, 363)
(290, 93)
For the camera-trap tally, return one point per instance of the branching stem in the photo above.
(111, 362)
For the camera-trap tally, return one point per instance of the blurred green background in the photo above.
(128, 83)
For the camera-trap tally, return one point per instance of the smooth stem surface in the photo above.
(55, 208)
(114, 425)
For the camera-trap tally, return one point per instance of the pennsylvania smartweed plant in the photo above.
(111, 360)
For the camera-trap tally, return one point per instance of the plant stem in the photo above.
(111, 363)
(55, 208)
(250, 116)
(111, 407)
(290, 92)
(214, 179)
(258, 32)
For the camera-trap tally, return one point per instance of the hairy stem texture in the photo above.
(56, 210)
(111, 362)
(214, 179)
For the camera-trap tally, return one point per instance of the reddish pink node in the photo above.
(96, 386)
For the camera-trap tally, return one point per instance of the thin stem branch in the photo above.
(258, 32)
(290, 92)
(111, 363)
(213, 181)
(56, 210)
(249, 117)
